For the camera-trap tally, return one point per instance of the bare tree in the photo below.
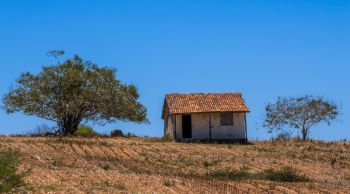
(299, 113)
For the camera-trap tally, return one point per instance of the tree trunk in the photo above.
(70, 125)
(304, 131)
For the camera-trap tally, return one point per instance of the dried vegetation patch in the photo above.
(132, 165)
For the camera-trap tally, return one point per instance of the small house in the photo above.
(205, 116)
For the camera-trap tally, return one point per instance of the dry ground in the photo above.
(119, 165)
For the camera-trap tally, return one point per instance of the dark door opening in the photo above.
(186, 126)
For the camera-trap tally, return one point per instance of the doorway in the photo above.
(186, 126)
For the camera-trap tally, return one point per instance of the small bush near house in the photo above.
(166, 137)
(9, 179)
(84, 130)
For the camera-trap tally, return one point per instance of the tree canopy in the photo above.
(75, 91)
(299, 113)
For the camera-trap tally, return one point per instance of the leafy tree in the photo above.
(73, 91)
(299, 113)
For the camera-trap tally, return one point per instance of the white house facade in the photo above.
(213, 116)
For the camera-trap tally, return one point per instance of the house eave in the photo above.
(184, 113)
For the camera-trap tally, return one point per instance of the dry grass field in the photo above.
(134, 165)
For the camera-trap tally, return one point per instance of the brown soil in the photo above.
(133, 165)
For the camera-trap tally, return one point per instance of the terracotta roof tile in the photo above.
(204, 102)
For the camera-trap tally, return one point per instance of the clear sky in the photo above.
(263, 49)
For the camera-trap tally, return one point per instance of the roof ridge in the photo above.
(208, 93)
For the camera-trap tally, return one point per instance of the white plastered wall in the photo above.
(200, 126)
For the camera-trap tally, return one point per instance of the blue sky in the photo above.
(263, 49)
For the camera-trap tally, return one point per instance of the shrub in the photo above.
(9, 179)
(166, 138)
(84, 130)
(296, 139)
(117, 133)
(168, 183)
(286, 174)
(43, 130)
(206, 163)
(232, 175)
(130, 135)
(283, 136)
